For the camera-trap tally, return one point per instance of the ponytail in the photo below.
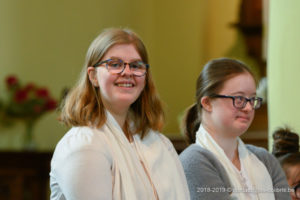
(191, 123)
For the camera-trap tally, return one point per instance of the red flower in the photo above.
(50, 104)
(11, 81)
(42, 93)
(21, 96)
(29, 87)
(28, 102)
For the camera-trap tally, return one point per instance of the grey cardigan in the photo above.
(203, 170)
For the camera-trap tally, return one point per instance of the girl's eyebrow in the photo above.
(132, 60)
(242, 93)
(115, 57)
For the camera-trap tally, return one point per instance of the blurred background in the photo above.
(45, 42)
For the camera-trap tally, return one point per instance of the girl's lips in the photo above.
(125, 84)
(243, 118)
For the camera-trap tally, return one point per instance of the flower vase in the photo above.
(29, 143)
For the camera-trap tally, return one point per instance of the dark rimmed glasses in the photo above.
(117, 66)
(240, 102)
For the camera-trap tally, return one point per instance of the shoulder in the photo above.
(165, 140)
(81, 139)
(263, 155)
(195, 154)
(204, 173)
(157, 141)
(275, 170)
(155, 137)
(257, 150)
(271, 163)
(197, 159)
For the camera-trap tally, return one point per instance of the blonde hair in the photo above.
(83, 105)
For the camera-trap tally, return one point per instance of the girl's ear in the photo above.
(206, 103)
(93, 76)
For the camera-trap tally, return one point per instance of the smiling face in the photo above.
(119, 91)
(224, 117)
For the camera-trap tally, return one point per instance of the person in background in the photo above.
(114, 149)
(218, 165)
(286, 149)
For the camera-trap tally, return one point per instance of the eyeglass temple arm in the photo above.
(99, 63)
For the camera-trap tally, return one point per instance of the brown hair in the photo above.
(83, 105)
(285, 141)
(209, 82)
(286, 147)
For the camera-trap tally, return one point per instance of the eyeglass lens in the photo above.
(117, 66)
(240, 102)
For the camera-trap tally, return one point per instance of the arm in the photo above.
(206, 177)
(85, 174)
(81, 168)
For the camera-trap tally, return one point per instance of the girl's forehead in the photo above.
(243, 82)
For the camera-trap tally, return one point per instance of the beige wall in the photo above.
(284, 66)
(219, 33)
(45, 42)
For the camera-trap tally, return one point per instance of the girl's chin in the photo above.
(125, 101)
(243, 130)
(243, 123)
(240, 129)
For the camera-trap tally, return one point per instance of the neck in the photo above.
(120, 117)
(227, 143)
(119, 114)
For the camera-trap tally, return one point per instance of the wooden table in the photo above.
(24, 175)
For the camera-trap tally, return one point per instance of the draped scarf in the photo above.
(259, 179)
(128, 172)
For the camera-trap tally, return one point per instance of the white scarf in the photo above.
(254, 170)
(129, 174)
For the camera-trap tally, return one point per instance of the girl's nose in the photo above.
(127, 70)
(248, 107)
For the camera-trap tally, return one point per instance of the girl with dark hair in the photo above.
(286, 149)
(114, 149)
(219, 165)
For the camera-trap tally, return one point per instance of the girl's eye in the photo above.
(239, 99)
(135, 66)
(114, 64)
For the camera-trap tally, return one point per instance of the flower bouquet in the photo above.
(25, 103)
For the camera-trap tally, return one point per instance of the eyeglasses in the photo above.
(117, 66)
(240, 102)
(297, 190)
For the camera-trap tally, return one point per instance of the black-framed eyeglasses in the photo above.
(240, 102)
(117, 66)
(297, 190)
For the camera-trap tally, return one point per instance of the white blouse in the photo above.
(83, 167)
